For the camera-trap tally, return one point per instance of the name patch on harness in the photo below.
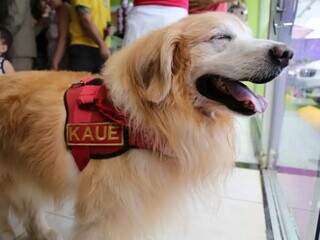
(95, 134)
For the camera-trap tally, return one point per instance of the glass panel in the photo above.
(247, 128)
(299, 149)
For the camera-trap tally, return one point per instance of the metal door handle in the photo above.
(280, 6)
(277, 26)
(283, 25)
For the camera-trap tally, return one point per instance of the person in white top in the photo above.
(148, 15)
(5, 43)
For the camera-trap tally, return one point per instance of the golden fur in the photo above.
(118, 198)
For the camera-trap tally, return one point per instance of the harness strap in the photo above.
(96, 129)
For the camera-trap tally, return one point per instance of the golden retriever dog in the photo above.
(180, 84)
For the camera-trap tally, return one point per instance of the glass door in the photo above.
(292, 127)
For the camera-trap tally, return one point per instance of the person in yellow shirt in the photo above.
(88, 50)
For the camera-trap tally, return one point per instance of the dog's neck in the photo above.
(198, 144)
(195, 146)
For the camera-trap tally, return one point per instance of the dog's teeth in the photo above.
(248, 104)
(221, 85)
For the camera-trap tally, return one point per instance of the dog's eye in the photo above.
(221, 37)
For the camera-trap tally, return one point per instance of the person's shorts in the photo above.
(85, 59)
(144, 19)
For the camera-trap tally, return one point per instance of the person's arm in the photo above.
(63, 28)
(92, 31)
(8, 68)
(204, 3)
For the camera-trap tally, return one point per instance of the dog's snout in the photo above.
(281, 54)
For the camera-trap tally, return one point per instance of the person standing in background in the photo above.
(58, 34)
(19, 22)
(88, 50)
(5, 44)
(149, 15)
(41, 12)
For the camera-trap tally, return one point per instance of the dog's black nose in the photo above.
(281, 54)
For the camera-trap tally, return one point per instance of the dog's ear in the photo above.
(159, 63)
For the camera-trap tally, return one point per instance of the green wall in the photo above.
(253, 13)
(258, 17)
(115, 3)
(258, 20)
(264, 10)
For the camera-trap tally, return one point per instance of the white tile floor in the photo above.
(238, 215)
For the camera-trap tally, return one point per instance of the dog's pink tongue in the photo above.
(244, 94)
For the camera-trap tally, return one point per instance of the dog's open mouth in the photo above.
(233, 94)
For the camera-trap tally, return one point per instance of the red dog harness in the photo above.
(95, 129)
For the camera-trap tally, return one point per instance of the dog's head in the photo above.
(201, 61)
